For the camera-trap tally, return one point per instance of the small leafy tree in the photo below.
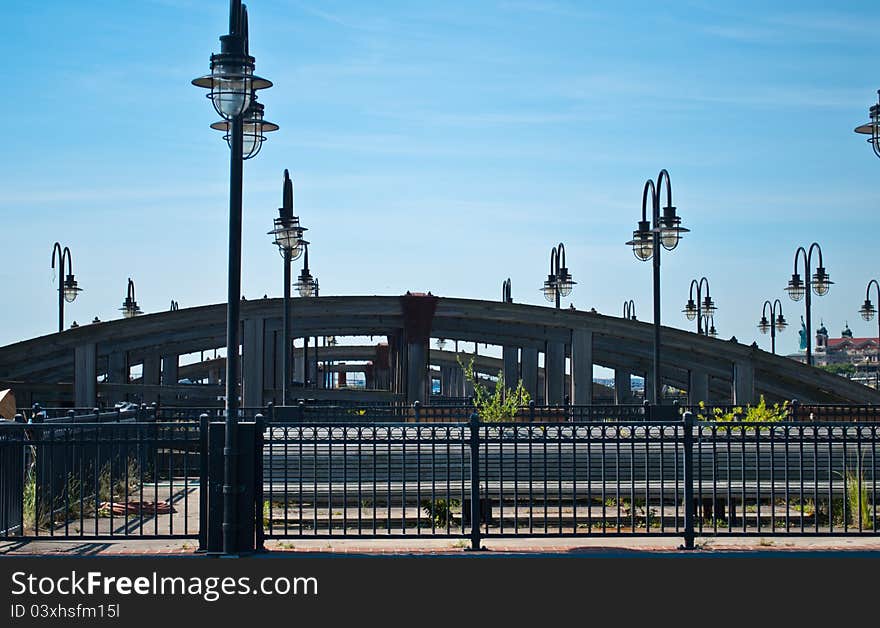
(760, 413)
(500, 405)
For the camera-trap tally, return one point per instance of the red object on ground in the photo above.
(135, 508)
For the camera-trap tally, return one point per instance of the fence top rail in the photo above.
(11, 425)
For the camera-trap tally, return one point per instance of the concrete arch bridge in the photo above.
(552, 351)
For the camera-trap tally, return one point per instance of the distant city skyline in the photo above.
(444, 148)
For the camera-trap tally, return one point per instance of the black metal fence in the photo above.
(387, 471)
(99, 480)
(633, 478)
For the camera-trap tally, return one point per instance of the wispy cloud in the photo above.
(546, 7)
(360, 23)
(784, 28)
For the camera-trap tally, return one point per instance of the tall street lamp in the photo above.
(646, 242)
(288, 236)
(67, 289)
(231, 87)
(708, 326)
(872, 128)
(130, 307)
(703, 307)
(629, 310)
(306, 286)
(559, 282)
(776, 323)
(868, 311)
(316, 293)
(820, 284)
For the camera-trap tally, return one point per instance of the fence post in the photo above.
(649, 413)
(204, 487)
(795, 404)
(688, 480)
(531, 411)
(302, 411)
(260, 533)
(416, 407)
(567, 402)
(476, 511)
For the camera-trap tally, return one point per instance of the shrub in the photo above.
(500, 405)
(761, 413)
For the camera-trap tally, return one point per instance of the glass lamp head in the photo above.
(795, 288)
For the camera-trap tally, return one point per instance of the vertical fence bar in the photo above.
(203, 482)
(260, 532)
(475, 481)
(688, 480)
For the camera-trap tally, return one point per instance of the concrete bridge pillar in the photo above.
(381, 368)
(446, 381)
(698, 387)
(417, 371)
(396, 363)
(554, 373)
(170, 369)
(418, 316)
(298, 368)
(529, 370)
(272, 366)
(649, 386)
(151, 373)
(85, 376)
(253, 346)
(117, 373)
(152, 367)
(743, 382)
(581, 367)
(622, 386)
(510, 357)
(214, 375)
(117, 367)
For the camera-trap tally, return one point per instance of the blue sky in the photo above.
(443, 147)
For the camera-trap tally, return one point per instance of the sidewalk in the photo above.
(530, 546)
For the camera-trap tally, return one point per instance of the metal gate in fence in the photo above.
(99, 479)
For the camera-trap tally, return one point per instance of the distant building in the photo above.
(859, 353)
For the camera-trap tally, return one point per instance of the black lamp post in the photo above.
(306, 286)
(646, 242)
(506, 295)
(559, 282)
(868, 311)
(67, 288)
(231, 87)
(316, 294)
(130, 307)
(819, 284)
(776, 323)
(629, 310)
(708, 326)
(702, 307)
(288, 237)
(872, 128)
